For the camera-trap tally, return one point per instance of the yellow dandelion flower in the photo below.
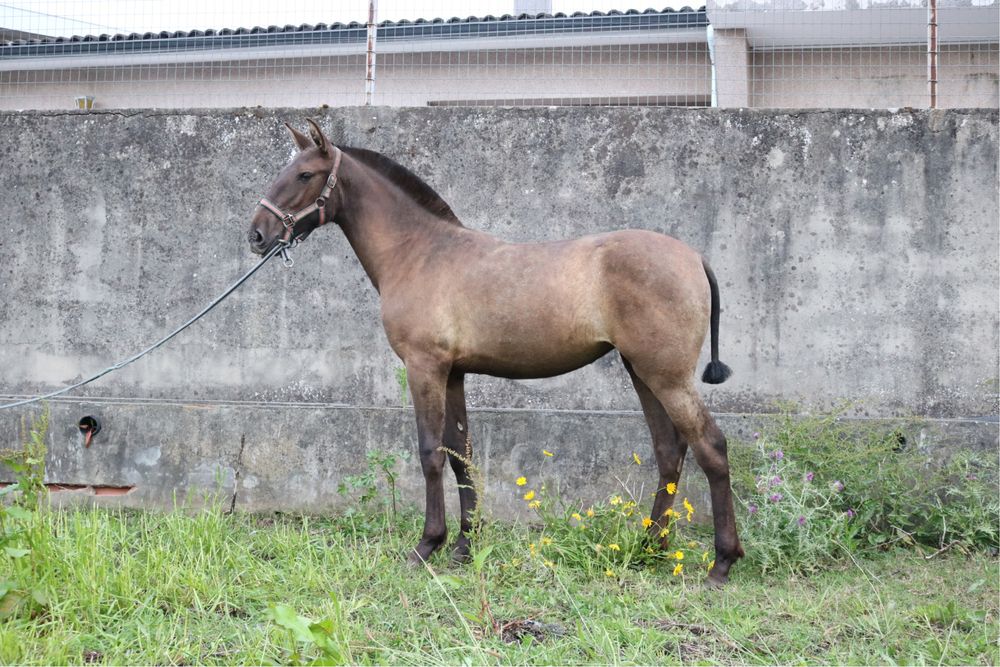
(671, 513)
(678, 569)
(689, 508)
(679, 555)
(548, 563)
(590, 512)
(521, 481)
(614, 547)
(515, 562)
(671, 488)
(649, 550)
(628, 504)
(535, 504)
(576, 515)
(704, 557)
(646, 522)
(609, 573)
(546, 541)
(582, 526)
(711, 565)
(635, 457)
(547, 452)
(616, 500)
(531, 547)
(530, 495)
(664, 532)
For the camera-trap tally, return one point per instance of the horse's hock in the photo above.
(855, 251)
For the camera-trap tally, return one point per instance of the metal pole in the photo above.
(932, 52)
(370, 61)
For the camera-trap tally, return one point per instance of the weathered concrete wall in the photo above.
(857, 256)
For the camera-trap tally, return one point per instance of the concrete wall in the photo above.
(856, 253)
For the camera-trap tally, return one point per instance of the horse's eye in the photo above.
(305, 176)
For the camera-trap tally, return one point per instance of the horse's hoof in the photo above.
(414, 560)
(460, 555)
(715, 583)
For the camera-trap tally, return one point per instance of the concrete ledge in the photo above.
(290, 457)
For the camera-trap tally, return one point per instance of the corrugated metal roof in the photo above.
(354, 32)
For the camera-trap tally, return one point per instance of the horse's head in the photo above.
(302, 197)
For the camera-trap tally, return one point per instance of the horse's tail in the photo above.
(716, 372)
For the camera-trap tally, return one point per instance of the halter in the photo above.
(289, 219)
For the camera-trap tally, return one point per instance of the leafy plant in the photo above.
(22, 537)
(364, 487)
(324, 636)
(403, 384)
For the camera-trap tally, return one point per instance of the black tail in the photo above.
(716, 372)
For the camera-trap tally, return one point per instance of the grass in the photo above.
(209, 587)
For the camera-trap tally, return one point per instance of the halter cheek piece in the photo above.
(289, 219)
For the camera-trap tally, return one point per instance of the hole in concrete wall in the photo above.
(89, 426)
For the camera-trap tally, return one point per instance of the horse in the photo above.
(456, 301)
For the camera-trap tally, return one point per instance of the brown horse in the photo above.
(456, 301)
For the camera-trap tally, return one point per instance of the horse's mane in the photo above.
(421, 193)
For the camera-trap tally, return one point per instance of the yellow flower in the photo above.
(614, 547)
(664, 532)
(671, 488)
(635, 457)
(531, 547)
(609, 573)
(521, 481)
(530, 495)
(590, 512)
(535, 504)
(546, 452)
(616, 500)
(679, 555)
(548, 563)
(689, 508)
(671, 513)
(711, 565)
(548, 540)
(647, 522)
(678, 569)
(704, 557)
(692, 544)
(576, 515)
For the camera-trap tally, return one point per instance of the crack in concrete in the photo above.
(238, 472)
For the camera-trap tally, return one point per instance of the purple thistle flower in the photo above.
(752, 508)
(776, 480)
(850, 514)
(776, 497)
(838, 486)
(777, 455)
(809, 476)
(802, 521)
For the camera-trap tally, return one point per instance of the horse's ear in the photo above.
(322, 143)
(301, 140)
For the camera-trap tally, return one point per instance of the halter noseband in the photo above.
(289, 219)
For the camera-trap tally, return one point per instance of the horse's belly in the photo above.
(522, 360)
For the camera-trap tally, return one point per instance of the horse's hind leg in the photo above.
(459, 446)
(696, 426)
(669, 450)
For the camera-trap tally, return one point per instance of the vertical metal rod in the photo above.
(370, 60)
(932, 52)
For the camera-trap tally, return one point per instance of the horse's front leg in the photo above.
(428, 381)
(459, 446)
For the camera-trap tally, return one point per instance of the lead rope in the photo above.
(281, 247)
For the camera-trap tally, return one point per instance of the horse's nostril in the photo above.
(256, 237)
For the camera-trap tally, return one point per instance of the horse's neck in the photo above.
(387, 230)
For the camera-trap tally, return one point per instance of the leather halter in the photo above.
(289, 219)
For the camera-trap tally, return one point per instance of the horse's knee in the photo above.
(432, 460)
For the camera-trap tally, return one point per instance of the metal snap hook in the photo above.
(286, 259)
